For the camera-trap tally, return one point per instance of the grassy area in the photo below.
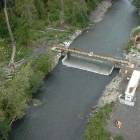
(96, 128)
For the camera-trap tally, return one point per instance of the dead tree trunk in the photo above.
(11, 63)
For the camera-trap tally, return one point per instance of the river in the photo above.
(69, 93)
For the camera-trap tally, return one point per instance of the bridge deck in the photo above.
(95, 55)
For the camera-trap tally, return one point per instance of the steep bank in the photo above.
(133, 55)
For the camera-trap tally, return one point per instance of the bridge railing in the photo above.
(96, 55)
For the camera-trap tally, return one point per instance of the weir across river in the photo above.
(118, 62)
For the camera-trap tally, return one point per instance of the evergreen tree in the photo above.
(53, 10)
(13, 99)
(24, 9)
(40, 8)
(76, 13)
(16, 93)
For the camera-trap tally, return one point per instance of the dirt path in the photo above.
(130, 118)
(128, 115)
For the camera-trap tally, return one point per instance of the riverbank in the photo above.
(133, 55)
(116, 87)
(96, 16)
(129, 116)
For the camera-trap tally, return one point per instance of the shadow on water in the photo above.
(68, 93)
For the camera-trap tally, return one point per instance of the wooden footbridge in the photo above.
(118, 62)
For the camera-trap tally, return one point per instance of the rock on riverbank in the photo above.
(111, 92)
(98, 14)
(134, 56)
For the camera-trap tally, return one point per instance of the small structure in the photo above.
(117, 61)
(130, 91)
(90, 54)
(132, 85)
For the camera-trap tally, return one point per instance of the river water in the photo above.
(69, 93)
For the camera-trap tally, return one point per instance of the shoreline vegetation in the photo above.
(96, 128)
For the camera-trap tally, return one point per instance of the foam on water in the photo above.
(88, 63)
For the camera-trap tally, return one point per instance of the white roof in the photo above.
(133, 83)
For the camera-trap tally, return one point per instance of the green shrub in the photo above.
(42, 63)
(136, 32)
(4, 128)
(13, 23)
(3, 27)
(138, 50)
(41, 66)
(92, 4)
(22, 51)
(35, 81)
(77, 15)
(129, 45)
(40, 8)
(96, 128)
(3, 54)
(136, 3)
